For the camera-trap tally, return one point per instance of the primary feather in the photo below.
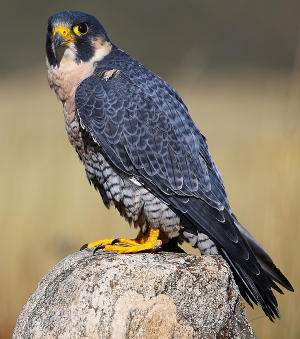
(144, 154)
(143, 127)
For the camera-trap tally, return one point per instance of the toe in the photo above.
(97, 248)
(83, 247)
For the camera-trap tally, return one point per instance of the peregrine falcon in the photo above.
(144, 154)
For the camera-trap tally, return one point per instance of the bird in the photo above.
(144, 154)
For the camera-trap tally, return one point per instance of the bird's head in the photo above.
(75, 35)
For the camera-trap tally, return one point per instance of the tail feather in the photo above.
(265, 261)
(257, 292)
(253, 268)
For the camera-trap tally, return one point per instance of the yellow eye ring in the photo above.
(80, 29)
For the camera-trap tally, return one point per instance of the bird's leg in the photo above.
(143, 242)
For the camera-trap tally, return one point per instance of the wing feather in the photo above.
(144, 129)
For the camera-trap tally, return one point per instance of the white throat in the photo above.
(65, 77)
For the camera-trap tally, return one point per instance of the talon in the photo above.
(100, 242)
(100, 247)
(144, 242)
(83, 247)
(115, 241)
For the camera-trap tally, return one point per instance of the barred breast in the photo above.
(130, 197)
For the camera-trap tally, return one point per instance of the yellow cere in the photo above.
(65, 34)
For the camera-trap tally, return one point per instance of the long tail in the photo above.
(254, 271)
(252, 290)
(265, 260)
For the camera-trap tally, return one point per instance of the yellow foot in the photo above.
(143, 242)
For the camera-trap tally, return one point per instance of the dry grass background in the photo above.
(48, 210)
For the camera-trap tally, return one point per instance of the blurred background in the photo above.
(236, 65)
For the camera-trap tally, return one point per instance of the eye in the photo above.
(80, 29)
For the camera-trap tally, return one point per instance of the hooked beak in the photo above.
(61, 37)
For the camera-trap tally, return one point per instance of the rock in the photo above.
(160, 295)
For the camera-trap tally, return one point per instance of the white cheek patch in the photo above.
(65, 76)
(101, 50)
(69, 52)
(72, 50)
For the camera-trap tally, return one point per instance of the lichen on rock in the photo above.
(145, 295)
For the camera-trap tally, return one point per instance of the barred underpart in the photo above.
(133, 200)
(202, 241)
(137, 204)
(130, 197)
